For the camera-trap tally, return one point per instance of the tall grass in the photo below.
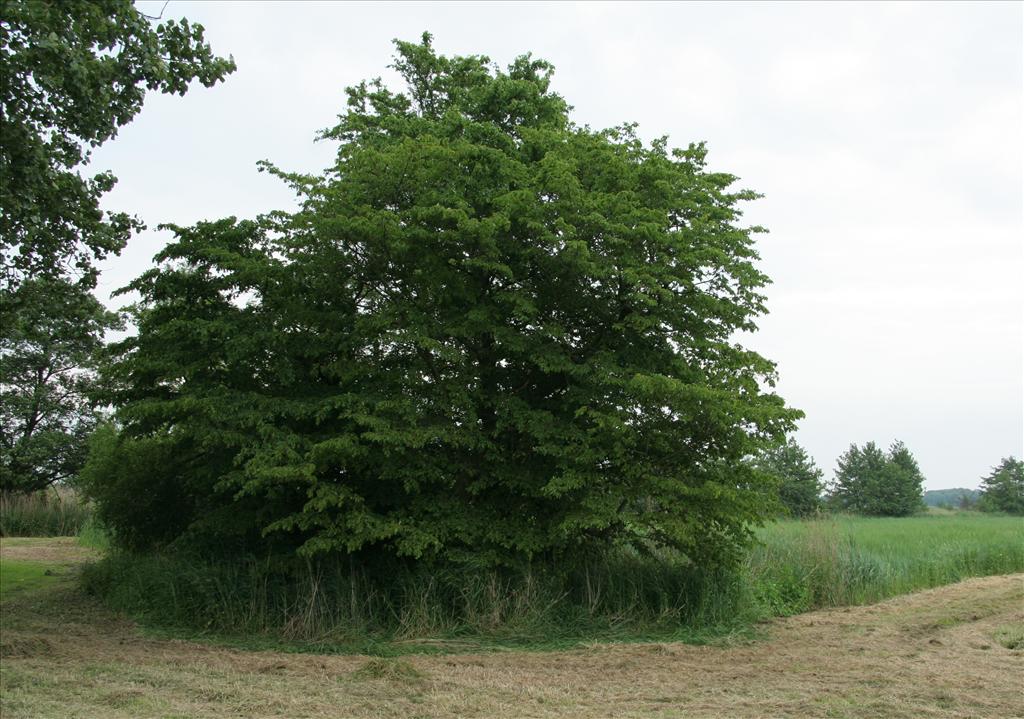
(94, 535)
(327, 602)
(798, 566)
(844, 560)
(50, 513)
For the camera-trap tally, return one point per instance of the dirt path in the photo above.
(939, 653)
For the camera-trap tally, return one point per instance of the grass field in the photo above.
(842, 561)
(954, 651)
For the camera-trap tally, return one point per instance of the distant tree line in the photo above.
(871, 481)
(955, 498)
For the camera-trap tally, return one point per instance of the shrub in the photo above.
(135, 485)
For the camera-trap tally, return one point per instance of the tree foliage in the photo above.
(49, 350)
(1003, 489)
(798, 477)
(71, 74)
(871, 481)
(488, 335)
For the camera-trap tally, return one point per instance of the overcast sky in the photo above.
(886, 138)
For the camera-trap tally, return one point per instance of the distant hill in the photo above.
(949, 497)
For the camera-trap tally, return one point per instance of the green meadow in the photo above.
(848, 560)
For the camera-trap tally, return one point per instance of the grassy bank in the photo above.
(797, 567)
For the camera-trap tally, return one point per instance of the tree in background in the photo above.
(49, 350)
(799, 479)
(71, 74)
(1003, 489)
(954, 498)
(489, 335)
(906, 497)
(871, 481)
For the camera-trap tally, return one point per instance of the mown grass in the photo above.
(28, 564)
(622, 596)
(49, 513)
(21, 576)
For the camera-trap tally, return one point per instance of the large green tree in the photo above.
(71, 74)
(1003, 489)
(488, 335)
(871, 481)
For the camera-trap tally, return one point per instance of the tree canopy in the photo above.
(871, 481)
(71, 74)
(50, 348)
(488, 335)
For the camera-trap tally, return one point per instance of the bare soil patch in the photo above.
(930, 654)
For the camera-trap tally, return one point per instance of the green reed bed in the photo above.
(856, 560)
(49, 513)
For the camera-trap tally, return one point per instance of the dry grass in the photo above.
(931, 654)
(58, 550)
